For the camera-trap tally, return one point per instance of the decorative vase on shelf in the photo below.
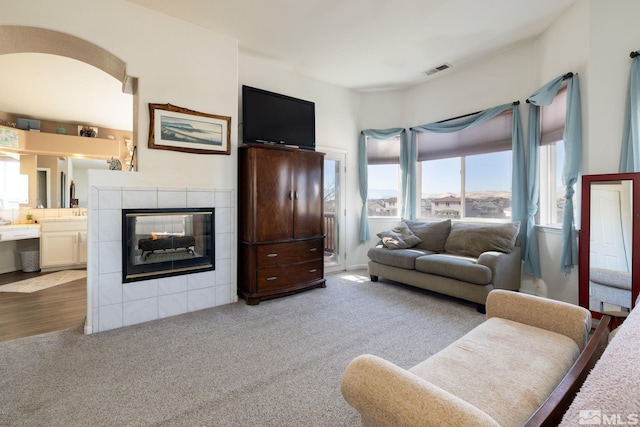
(61, 130)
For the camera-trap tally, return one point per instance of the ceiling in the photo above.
(362, 45)
(369, 44)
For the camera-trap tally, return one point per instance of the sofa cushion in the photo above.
(455, 267)
(474, 239)
(433, 234)
(400, 237)
(401, 258)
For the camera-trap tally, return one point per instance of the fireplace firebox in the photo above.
(167, 242)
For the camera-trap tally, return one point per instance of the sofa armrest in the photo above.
(557, 316)
(387, 395)
(506, 269)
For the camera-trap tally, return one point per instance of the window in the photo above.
(467, 174)
(9, 176)
(486, 192)
(383, 177)
(552, 191)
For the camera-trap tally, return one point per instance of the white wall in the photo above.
(613, 33)
(174, 62)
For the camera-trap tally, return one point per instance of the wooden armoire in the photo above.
(280, 221)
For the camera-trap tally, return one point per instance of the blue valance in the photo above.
(517, 145)
(572, 137)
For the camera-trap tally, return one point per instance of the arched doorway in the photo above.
(24, 39)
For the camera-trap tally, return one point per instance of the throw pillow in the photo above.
(474, 239)
(400, 237)
(433, 234)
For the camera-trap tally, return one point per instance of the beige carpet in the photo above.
(277, 364)
(44, 281)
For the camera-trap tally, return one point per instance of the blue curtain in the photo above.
(408, 167)
(573, 157)
(630, 153)
(362, 169)
(518, 175)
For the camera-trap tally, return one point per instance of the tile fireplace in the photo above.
(167, 242)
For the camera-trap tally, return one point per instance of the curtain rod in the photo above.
(634, 54)
(470, 114)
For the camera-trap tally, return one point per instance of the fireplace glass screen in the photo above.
(166, 242)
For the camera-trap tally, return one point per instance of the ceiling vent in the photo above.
(437, 69)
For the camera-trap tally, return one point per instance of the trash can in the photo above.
(30, 260)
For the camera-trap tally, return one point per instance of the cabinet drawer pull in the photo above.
(313, 249)
(269, 279)
(313, 270)
(272, 255)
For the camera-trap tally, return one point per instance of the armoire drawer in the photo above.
(289, 253)
(282, 277)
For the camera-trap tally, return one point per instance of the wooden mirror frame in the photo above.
(585, 236)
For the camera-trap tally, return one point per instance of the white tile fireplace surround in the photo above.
(114, 304)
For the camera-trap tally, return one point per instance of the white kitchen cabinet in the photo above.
(63, 243)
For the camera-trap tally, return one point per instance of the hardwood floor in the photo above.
(60, 307)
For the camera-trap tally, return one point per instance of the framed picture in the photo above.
(179, 129)
(87, 131)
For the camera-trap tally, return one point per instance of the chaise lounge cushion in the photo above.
(455, 267)
(401, 258)
(474, 239)
(433, 235)
(510, 359)
(400, 237)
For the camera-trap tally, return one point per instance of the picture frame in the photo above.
(180, 129)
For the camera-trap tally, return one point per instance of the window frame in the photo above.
(399, 195)
(463, 192)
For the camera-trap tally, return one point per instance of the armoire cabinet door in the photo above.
(274, 195)
(308, 220)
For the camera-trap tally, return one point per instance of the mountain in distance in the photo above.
(382, 194)
(478, 195)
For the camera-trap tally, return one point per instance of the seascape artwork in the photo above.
(191, 131)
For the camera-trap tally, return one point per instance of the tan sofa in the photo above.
(496, 375)
(462, 260)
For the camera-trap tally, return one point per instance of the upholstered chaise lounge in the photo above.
(498, 374)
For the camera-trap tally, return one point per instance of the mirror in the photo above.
(48, 186)
(609, 252)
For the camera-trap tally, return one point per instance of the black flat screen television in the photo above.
(272, 118)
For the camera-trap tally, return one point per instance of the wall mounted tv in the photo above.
(272, 118)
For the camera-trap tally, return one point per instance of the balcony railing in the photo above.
(330, 231)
